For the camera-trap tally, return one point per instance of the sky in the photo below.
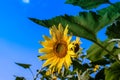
(19, 37)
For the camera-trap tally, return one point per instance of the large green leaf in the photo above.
(86, 24)
(113, 73)
(87, 4)
(26, 66)
(83, 25)
(96, 53)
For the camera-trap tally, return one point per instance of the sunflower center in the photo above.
(61, 49)
(76, 47)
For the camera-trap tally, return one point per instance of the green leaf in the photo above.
(113, 73)
(117, 51)
(85, 75)
(26, 66)
(100, 75)
(87, 4)
(113, 31)
(77, 65)
(95, 52)
(112, 10)
(86, 24)
(19, 78)
(101, 62)
(83, 25)
(109, 14)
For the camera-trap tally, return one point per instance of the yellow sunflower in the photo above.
(57, 49)
(75, 45)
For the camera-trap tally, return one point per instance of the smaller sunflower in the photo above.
(75, 45)
(57, 49)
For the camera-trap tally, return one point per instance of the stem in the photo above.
(37, 75)
(31, 72)
(78, 74)
(38, 72)
(63, 71)
(110, 53)
(102, 47)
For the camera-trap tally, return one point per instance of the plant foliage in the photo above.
(87, 4)
(103, 56)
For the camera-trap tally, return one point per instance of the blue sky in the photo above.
(19, 36)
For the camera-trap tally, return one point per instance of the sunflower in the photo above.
(57, 49)
(75, 45)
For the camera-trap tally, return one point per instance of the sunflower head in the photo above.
(75, 45)
(56, 49)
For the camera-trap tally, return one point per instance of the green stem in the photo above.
(110, 52)
(38, 72)
(78, 74)
(37, 75)
(31, 72)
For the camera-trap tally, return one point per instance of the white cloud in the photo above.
(26, 1)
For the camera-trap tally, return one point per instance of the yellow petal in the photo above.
(53, 35)
(48, 44)
(46, 38)
(53, 31)
(77, 40)
(45, 50)
(50, 31)
(47, 56)
(68, 39)
(72, 54)
(66, 31)
(67, 61)
(60, 28)
(60, 64)
(55, 61)
(49, 61)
